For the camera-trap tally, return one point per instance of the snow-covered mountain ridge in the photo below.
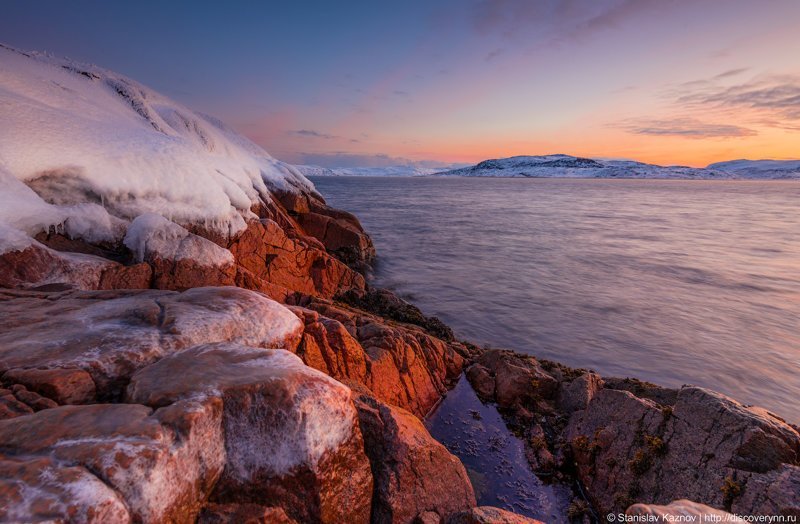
(566, 166)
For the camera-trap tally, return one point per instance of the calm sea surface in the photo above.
(675, 282)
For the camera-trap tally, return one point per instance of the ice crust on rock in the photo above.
(76, 134)
(151, 235)
(310, 413)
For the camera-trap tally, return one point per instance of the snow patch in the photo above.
(204, 315)
(12, 239)
(153, 236)
(80, 134)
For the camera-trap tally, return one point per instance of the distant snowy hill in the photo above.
(754, 169)
(565, 166)
(89, 150)
(369, 171)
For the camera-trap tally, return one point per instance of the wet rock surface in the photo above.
(414, 474)
(110, 334)
(495, 458)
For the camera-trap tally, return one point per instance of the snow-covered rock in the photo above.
(79, 143)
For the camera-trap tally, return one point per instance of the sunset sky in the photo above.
(456, 81)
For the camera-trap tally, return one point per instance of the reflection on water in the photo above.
(494, 457)
(669, 281)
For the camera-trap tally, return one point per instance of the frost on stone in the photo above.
(201, 315)
(279, 414)
(79, 134)
(152, 236)
(40, 489)
(318, 418)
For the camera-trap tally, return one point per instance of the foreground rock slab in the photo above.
(111, 334)
(291, 433)
(162, 465)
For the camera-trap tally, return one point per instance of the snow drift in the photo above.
(88, 150)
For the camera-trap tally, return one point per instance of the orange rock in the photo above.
(413, 472)
(65, 386)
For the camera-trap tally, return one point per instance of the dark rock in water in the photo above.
(384, 303)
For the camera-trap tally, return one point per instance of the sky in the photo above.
(442, 82)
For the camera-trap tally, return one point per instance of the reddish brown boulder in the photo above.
(35, 401)
(576, 394)
(490, 515)
(65, 386)
(11, 406)
(328, 346)
(338, 231)
(291, 433)
(514, 379)
(413, 472)
(405, 366)
(265, 250)
(162, 465)
(38, 489)
(243, 514)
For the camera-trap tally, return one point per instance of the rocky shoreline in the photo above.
(159, 389)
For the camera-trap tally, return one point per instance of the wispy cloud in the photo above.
(550, 21)
(776, 99)
(491, 55)
(731, 72)
(685, 127)
(313, 134)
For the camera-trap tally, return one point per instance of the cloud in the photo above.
(551, 21)
(685, 127)
(313, 134)
(775, 100)
(730, 73)
(494, 54)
